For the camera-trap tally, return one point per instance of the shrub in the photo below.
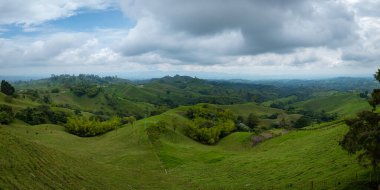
(303, 122)
(130, 119)
(92, 91)
(55, 90)
(155, 130)
(6, 114)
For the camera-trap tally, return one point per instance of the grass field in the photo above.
(126, 159)
(345, 104)
(294, 159)
(47, 157)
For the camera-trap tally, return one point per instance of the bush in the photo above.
(92, 91)
(128, 120)
(6, 114)
(84, 127)
(55, 90)
(155, 130)
(303, 122)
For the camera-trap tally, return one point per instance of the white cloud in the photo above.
(30, 13)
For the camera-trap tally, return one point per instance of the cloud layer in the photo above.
(251, 38)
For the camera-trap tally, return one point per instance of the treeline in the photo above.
(83, 78)
(33, 116)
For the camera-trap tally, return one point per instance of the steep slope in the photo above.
(27, 165)
(122, 159)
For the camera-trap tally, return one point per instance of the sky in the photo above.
(220, 39)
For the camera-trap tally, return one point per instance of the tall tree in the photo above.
(7, 88)
(363, 136)
(252, 121)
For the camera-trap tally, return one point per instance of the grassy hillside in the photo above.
(345, 104)
(47, 157)
(28, 165)
(262, 112)
(122, 159)
(294, 159)
(125, 159)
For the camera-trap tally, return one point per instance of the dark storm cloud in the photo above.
(266, 26)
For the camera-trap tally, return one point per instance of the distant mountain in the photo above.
(339, 83)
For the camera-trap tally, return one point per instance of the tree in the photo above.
(363, 136)
(7, 88)
(283, 123)
(302, 122)
(252, 121)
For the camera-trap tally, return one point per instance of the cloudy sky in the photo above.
(206, 38)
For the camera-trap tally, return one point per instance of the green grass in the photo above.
(260, 110)
(345, 104)
(126, 159)
(296, 158)
(28, 165)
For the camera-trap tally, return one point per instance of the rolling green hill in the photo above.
(296, 159)
(29, 165)
(47, 157)
(345, 104)
(126, 159)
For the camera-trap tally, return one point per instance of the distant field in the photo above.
(345, 104)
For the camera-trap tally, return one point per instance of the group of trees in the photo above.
(85, 127)
(73, 79)
(309, 117)
(85, 89)
(41, 115)
(210, 123)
